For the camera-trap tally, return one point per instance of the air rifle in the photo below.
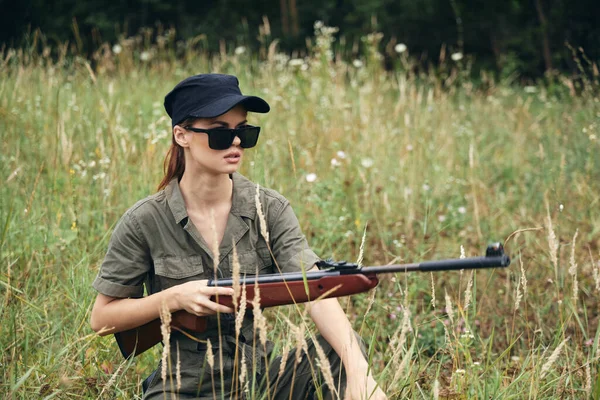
(334, 279)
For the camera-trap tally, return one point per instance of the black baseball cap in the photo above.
(208, 96)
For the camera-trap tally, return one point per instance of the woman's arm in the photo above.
(332, 322)
(111, 314)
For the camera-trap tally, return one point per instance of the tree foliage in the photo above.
(523, 36)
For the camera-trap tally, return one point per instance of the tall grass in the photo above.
(430, 161)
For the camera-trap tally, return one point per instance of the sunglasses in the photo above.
(222, 138)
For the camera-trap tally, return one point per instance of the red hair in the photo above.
(174, 164)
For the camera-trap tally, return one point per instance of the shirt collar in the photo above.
(175, 200)
(243, 203)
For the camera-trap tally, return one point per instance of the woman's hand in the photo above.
(363, 387)
(195, 298)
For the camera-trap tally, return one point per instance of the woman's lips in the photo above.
(233, 157)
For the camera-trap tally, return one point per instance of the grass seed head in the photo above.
(165, 330)
(261, 215)
(573, 268)
(210, 357)
(449, 309)
(260, 322)
(235, 276)
(552, 240)
(552, 359)
(323, 363)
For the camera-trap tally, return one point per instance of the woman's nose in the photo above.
(236, 141)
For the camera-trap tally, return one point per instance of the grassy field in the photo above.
(430, 162)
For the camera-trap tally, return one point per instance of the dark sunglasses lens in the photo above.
(248, 136)
(220, 139)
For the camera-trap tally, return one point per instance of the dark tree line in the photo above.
(526, 36)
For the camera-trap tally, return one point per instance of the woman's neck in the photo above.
(203, 192)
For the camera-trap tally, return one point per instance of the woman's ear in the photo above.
(180, 136)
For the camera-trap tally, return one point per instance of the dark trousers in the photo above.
(297, 381)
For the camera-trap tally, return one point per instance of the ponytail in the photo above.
(174, 165)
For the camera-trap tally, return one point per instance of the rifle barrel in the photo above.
(442, 265)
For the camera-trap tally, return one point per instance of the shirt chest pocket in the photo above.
(172, 271)
(253, 260)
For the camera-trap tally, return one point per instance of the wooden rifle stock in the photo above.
(334, 280)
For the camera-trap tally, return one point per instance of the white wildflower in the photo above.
(341, 154)
(117, 49)
(311, 177)
(367, 162)
(462, 210)
(296, 62)
(357, 63)
(530, 89)
(400, 48)
(335, 162)
(239, 50)
(145, 56)
(457, 56)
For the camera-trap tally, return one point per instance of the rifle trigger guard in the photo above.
(329, 264)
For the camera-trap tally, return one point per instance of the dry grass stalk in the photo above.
(588, 380)
(284, 357)
(469, 290)
(239, 316)
(298, 333)
(573, 268)
(523, 277)
(260, 322)
(215, 244)
(432, 290)
(402, 367)
(261, 215)
(165, 330)
(436, 389)
(235, 276)
(112, 379)
(552, 242)
(518, 295)
(397, 345)
(178, 370)
(553, 357)
(243, 373)
(361, 251)
(596, 271)
(462, 252)
(449, 309)
(370, 301)
(210, 357)
(325, 367)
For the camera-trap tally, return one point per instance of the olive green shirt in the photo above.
(156, 244)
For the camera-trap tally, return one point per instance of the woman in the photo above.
(164, 243)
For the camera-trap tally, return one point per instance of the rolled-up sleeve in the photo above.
(288, 243)
(126, 263)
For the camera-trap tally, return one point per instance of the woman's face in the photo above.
(199, 156)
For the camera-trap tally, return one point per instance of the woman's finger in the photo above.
(216, 307)
(221, 291)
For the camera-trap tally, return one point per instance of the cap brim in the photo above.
(224, 104)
